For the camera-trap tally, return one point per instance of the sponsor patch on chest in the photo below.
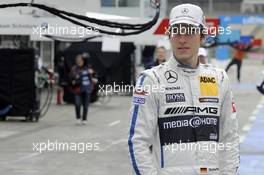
(208, 86)
(175, 97)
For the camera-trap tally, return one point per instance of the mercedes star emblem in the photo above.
(171, 76)
(185, 11)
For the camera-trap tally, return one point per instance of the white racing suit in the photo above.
(260, 84)
(188, 126)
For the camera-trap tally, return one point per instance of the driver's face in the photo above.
(185, 41)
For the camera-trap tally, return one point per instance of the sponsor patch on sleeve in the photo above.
(139, 100)
(141, 92)
(233, 106)
(203, 170)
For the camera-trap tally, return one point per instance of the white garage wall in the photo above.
(76, 6)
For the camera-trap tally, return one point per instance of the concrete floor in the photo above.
(107, 129)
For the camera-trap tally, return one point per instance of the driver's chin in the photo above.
(184, 58)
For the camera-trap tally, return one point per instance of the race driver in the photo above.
(183, 116)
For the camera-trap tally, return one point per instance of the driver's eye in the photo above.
(195, 30)
(175, 30)
(184, 30)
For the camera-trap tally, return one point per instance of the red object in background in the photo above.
(59, 92)
(164, 24)
(161, 29)
(257, 42)
(212, 24)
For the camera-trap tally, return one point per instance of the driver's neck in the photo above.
(192, 65)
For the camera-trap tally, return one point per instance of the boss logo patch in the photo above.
(175, 97)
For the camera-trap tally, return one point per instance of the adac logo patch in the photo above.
(208, 86)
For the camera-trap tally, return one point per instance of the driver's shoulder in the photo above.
(155, 72)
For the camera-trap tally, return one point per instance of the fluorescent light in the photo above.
(105, 16)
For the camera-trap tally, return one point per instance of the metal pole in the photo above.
(116, 3)
(210, 7)
(52, 54)
(142, 15)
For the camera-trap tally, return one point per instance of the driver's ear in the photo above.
(202, 39)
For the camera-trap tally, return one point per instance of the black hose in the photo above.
(43, 112)
(46, 101)
(67, 39)
(139, 28)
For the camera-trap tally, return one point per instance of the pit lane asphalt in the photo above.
(107, 126)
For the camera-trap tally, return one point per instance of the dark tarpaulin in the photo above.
(110, 67)
(17, 75)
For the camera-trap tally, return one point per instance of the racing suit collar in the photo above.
(183, 69)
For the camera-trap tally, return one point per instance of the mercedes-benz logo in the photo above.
(185, 11)
(171, 76)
